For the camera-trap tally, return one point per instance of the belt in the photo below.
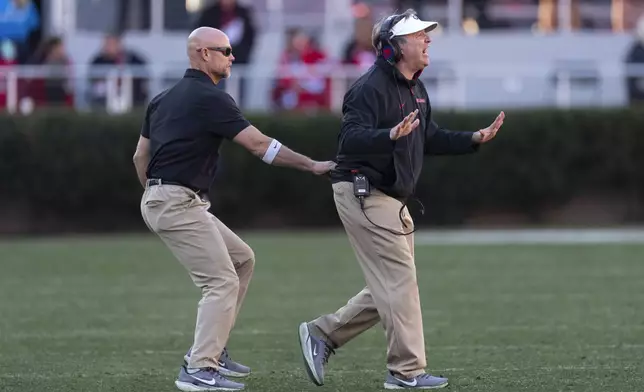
(158, 181)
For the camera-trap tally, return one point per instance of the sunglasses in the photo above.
(226, 51)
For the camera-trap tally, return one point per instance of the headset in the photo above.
(389, 50)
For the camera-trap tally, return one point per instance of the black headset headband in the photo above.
(385, 30)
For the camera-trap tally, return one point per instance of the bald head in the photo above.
(209, 51)
(203, 37)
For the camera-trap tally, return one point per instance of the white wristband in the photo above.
(271, 151)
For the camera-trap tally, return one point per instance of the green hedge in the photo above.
(63, 171)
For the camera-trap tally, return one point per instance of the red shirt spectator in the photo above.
(302, 84)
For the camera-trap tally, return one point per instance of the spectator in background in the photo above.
(300, 85)
(53, 90)
(235, 21)
(18, 19)
(548, 15)
(359, 51)
(418, 5)
(635, 56)
(113, 53)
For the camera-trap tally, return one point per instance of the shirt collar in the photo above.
(196, 74)
(400, 78)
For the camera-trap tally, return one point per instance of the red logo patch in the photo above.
(420, 100)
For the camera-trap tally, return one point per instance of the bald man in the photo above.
(175, 160)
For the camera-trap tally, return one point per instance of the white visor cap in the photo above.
(412, 25)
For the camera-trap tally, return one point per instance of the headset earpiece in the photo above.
(389, 50)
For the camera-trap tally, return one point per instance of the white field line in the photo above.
(530, 236)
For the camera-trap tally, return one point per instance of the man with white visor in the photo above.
(387, 130)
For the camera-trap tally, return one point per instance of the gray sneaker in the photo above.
(422, 381)
(205, 379)
(315, 353)
(227, 366)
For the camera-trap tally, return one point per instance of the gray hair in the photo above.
(375, 33)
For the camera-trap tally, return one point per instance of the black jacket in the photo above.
(374, 104)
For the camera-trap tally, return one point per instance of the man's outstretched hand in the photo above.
(487, 134)
(320, 168)
(407, 125)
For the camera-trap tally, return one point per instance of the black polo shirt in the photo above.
(186, 125)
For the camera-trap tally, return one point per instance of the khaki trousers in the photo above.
(217, 260)
(391, 295)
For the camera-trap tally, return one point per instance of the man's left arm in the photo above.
(440, 141)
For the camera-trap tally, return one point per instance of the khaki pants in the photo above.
(217, 260)
(391, 295)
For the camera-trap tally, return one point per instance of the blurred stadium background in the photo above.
(531, 253)
(473, 55)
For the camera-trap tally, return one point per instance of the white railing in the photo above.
(463, 86)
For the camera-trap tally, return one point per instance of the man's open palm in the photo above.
(405, 127)
(487, 134)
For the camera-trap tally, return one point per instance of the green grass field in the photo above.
(117, 314)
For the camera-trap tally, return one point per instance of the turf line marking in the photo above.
(530, 236)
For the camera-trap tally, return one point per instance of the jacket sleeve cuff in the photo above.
(468, 145)
(473, 146)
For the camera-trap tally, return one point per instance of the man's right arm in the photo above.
(142, 159)
(359, 133)
(229, 122)
(141, 156)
